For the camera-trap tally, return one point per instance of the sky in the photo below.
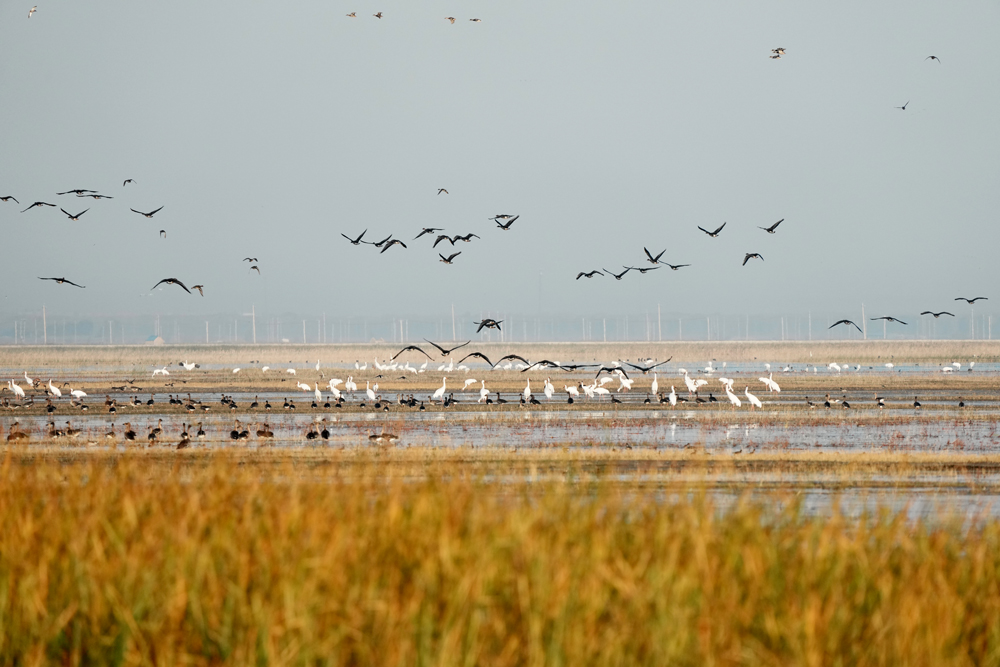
(268, 130)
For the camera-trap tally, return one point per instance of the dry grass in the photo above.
(143, 560)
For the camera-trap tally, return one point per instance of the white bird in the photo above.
(754, 401)
(334, 382)
(727, 383)
(318, 393)
(351, 385)
(890, 365)
(76, 393)
(439, 392)
(375, 386)
(290, 371)
(600, 391)
(527, 390)
(32, 11)
(55, 390)
(834, 366)
(624, 383)
(606, 380)
(31, 383)
(572, 391)
(467, 383)
(363, 366)
(770, 383)
(235, 371)
(656, 384)
(369, 392)
(317, 365)
(956, 364)
(589, 389)
(187, 366)
(672, 396)
(14, 388)
(161, 371)
(733, 398)
(265, 369)
(548, 389)
(484, 392)
(423, 367)
(303, 386)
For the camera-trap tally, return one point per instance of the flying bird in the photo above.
(845, 322)
(250, 259)
(904, 106)
(937, 315)
(752, 255)
(148, 215)
(444, 352)
(476, 20)
(933, 58)
(74, 217)
(648, 268)
(675, 266)
(97, 196)
(509, 223)
(712, 234)
(618, 276)
(447, 260)
(476, 354)
(467, 238)
(412, 347)
(127, 181)
(254, 268)
(972, 301)
(427, 230)
(379, 244)
(489, 324)
(770, 230)
(352, 15)
(651, 259)
(392, 243)
(591, 274)
(511, 356)
(163, 233)
(779, 51)
(440, 190)
(452, 19)
(200, 289)
(170, 281)
(356, 241)
(75, 192)
(63, 281)
(8, 198)
(32, 11)
(443, 237)
(378, 16)
(501, 216)
(888, 319)
(646, 369)
(38, 203)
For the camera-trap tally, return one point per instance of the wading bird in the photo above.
(356, 241)
(510, 222)
(845, 322)
(76, 217)
(937, 315)
(754, 401)
(444, 352)
(972, 301)
(591, 274)
(650, 258)
(148, 215)
(712, 234)
(889, 319)
(63, 281)
(770, 230)
(427, 230)
(448, 260)
(488, 324)
(752, 255)
(171, 281)
(38, 203)
(618, 276)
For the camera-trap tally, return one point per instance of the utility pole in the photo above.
(864, 323)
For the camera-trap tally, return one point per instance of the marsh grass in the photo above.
(133, 559)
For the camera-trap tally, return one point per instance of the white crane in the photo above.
(55, 390)
(672, 397)
(600, 391)
(161, 371)
(76, 393)
(423, 367)
(483, 393)
(187, 366)
(727, 383)
(14, 388)
(572, 391)
(235, 371)
(624, 383)
(31, 383)
(303, 386)
(334, 382)
(754, 401)
(834, 366)
(527, 390)
(351, 385)
(589, 389)
(317, 364)
(265, 369)
(318, 393)
(439, 392)
(733, 398)
(468, 381)
(656, 385)
(770, 383)
(548, 389)
(369, 392)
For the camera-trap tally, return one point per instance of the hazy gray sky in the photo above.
(268, 129)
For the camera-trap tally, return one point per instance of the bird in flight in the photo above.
(200, 289)
(440, 190)
(8, 198)
(511, 356)
(937, 315)
(889, 319)
(646, 369)
(63, 281)
(444, 352)
(352, 15)
(254, 268)
(675, 266)
(751, 255)
(509, 223)
(378, 16)
(488, 324)
(476, 20)
(770, 230)
(904, 106)
(501, 216)
(933, 58)
(447, 260)
(148, 215)
(972, 301)
(712, 234)
(250, 259)
(591, 274)
(97, 196)
(648, 268)
(74, 217)
(163, 233)
(443, 237)
(127, 181)
(476, 354)
(392, 243)
(452, 19)
(650, 258)
(427, 230)
(379, 244)
(32, 11)
(75, 192)
(467, 238)
(780, 51)
(356, 241)
(845, 322)
(412, 347)
(618, 276)
(37, 203)
(170, 281)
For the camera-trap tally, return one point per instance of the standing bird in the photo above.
(770, 230)
(63, 281)
(754, 401)
(712, 234)
(171, 281)
(148, 215)
(752, 255)
(845, 322)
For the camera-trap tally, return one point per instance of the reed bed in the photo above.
(130, 559)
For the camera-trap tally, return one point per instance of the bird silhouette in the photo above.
(675, 266)
(446, 352)
(440, 190)
(74, 217)
(712, 234)
(488, 324)
(200, 289)
(618, 276)
(127, 181)
(509, 223)
(38, 203)
(448, 260)
(752, 255)
(845, 322)
(8, 198)
(972, 301)
(937, 315)
(427, 230)
(356, 241)
(171, 281)
(933, 58)
(770, 230)
(412, 347)
(650, 258)
(904, 106)
(590, 274)
(148, 215)
(888, 319)
(63, 281)
(392, 243)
